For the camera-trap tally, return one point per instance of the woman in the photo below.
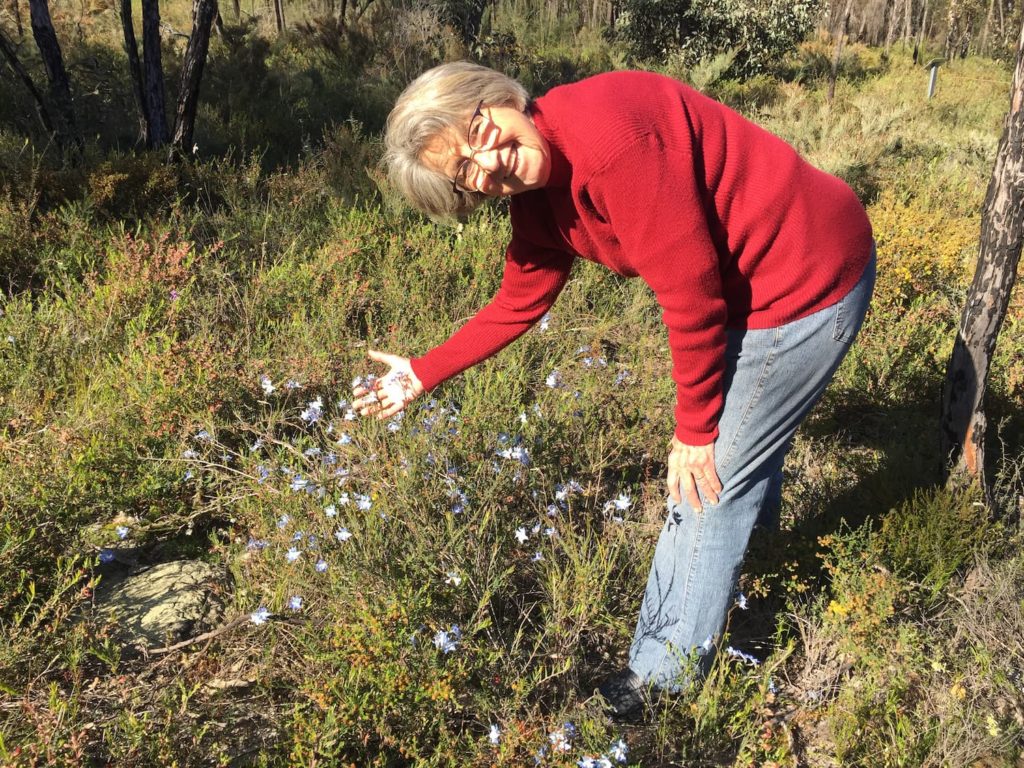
(763, 267)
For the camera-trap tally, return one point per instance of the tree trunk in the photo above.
(131, 49)
(60, 85)
(842, 30)
(908, 8)
(891, 30)
(279, 16)
(1002, 234)
(203, 14)
(952, 29)
(924, 22)
(153, 71)
(16, 13)
(9, 52)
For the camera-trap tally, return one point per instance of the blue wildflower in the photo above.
(260, 615)
(266, 385)
(292, 555)
(738, 654)
(295, 603)
(619, 751)
(107, 555)
(494, 735)
(321, 566)
(313, 411)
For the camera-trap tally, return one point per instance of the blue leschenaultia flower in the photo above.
(621, 376)
(295, 603)
(266, 385)
(313, 411)
(561, 739)
(494, 735)
(363, 502)
(260, 615)
(619, 751)
(107, 556)
(738, 654)
(554, 379)
(122, 532)
(321, 566)
(741, 601)
(283, 520)
(292, 555)
(448, 641)
(545, 322)
(516, 453)
(343, 535)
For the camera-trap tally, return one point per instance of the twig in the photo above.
(199, 638)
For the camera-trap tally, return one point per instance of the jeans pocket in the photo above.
(850, 310)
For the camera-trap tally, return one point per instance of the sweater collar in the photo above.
(561, 169)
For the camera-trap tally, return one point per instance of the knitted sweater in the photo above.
(724, 221)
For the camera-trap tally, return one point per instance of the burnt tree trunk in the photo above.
(153, 76)
(1002, 233)
(203, 15)
(60, 85)
(10, 54)
(16, 13)
(131, 49)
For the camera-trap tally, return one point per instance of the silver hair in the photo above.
(439, 100)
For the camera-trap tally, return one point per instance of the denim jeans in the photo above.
(773, 378)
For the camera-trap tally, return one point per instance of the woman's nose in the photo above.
(487, 159)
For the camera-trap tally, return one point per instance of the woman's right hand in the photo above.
(391, 392)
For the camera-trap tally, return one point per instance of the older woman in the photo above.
(763, 267)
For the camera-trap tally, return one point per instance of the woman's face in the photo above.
(500, 152)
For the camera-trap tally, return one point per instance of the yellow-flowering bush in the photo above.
(920, 250)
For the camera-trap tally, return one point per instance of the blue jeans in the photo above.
(773, 377)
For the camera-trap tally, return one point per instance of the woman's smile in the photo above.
(515, 156)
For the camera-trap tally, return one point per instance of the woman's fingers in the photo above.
(690, 489)
(673, 483)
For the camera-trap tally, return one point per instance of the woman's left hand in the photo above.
(690, 467)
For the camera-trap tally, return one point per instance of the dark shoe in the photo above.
(626, 695)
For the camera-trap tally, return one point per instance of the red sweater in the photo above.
(724, 221)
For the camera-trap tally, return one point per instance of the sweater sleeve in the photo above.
(531, 282)
(660, 220)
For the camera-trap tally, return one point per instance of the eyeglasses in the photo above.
(476, 138)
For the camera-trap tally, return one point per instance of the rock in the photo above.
(165, 603)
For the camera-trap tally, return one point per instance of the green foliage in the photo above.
(760, 33)
(142, 305)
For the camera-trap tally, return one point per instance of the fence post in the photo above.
(933, 67)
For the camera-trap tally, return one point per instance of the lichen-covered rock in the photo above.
(166, 603)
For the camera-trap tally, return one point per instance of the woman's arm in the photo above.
(532, 280)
